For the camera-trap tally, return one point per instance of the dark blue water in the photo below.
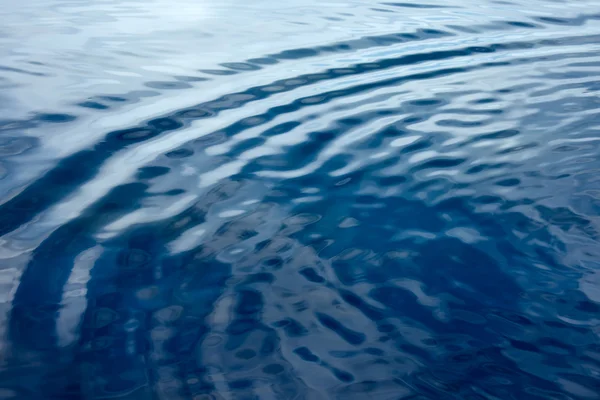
(299, 200)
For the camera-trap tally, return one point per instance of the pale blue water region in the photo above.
(299, 200)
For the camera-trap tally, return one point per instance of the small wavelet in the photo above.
(221, 200)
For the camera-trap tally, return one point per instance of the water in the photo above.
(299, 200)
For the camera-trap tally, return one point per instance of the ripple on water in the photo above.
(391, 200)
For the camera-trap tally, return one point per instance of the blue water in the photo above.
(299, 199)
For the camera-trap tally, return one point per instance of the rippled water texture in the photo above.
(299, 199)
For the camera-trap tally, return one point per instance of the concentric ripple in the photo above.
(343, 200)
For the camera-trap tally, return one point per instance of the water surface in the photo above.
(299, 200)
